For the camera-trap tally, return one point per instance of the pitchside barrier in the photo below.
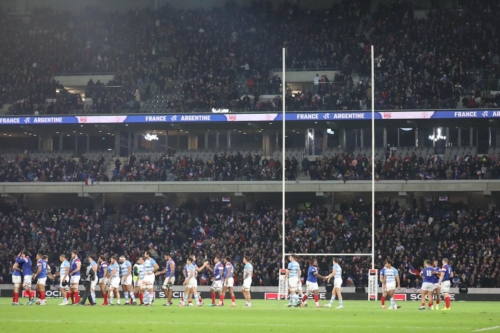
(270, 293)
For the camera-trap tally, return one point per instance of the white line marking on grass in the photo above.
(220, 324)
(487, 329)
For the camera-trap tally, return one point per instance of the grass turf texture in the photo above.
(263, 316)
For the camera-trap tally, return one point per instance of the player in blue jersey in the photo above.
(113, 276)
(63, 274)
(74, 274)
(27, 278)
(218, 273)
(41, 278)
(427, 285)
(228, 281)
(169, 281)
(102, 275)
(93, 282)
(17, 277)
(437, 288)
(337, 284)
(150, 267)
(391, 282)
(445, 282)
(126, 280)
(312, 284)
(293, 274)
(139, 272)
(247, 281)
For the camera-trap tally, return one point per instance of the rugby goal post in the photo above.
(373, 285)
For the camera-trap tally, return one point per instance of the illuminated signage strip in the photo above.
(250, 117)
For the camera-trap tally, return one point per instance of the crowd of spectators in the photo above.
(429, 230)
(237, 166)
(52, 169)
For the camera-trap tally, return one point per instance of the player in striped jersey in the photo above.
(337, 284)
(293, 274)
(139, 273)
(391, 277)
(247, 281)
(194, 290)
(63, 278)
(101, 274)
(384, 289)
(113, 278)
(190, 281)
(41, 276)
(126, 280)
(150, 267)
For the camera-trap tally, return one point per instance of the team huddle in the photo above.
(138, 279)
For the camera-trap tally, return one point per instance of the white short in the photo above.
(445, 287)
(311, 286)
(60, 283)
(27, 281)
(16, 279)
(247, 284)
(148, 281)
(229, 282)
(427, 286)
(192, 283)
(75, 279)
(389, 286)
(299, 285)
(138, 283)
(293, 282)
(115, 282)
(103, 280)
(93, 283)
(217, 285)
(127, 281)
(172, 280)
(41, 281)
(436, 285)
(337, 283)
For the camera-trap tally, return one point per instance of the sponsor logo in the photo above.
(400, 297)
(82, 119)
(418, 297)
(232, 118)
(387, 115)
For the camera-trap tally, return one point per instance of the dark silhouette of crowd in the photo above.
(409, 235)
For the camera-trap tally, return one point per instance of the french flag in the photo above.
(412, 270)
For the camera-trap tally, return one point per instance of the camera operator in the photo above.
(88, 278)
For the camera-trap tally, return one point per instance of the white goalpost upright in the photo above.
(373, 273)
(283, 283)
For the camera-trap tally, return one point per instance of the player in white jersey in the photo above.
(391, 281)
(194, 290)
(247, 281)
(63, 274)
(150, 267)
(337, 284)
(113, 276)
(126, 280)
(293, 274)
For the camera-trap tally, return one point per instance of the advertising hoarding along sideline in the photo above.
(250, 117)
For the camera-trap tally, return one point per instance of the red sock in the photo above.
(213, 298)
(233, 298)
(316, 298)
(423, 303)
(77, 296)
(69, 296)
(383, 300)
(304, 298)
(447, 301)
(42, 294)
(221, 298)
(430, 304)
(141, 298)
(15, 297)
(200, 299)
(437, 300)
(105, 296)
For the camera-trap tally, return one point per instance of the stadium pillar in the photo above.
(266, 143)
(229, 139)
(192, 141)
(136, 141)
(362, 138)
(88, 143)
(385, 138)
(129, 143)
(46, 142)
(61, 137)
(206, 140)
(342, 138)
(459, 143)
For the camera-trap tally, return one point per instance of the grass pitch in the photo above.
(263, 316)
